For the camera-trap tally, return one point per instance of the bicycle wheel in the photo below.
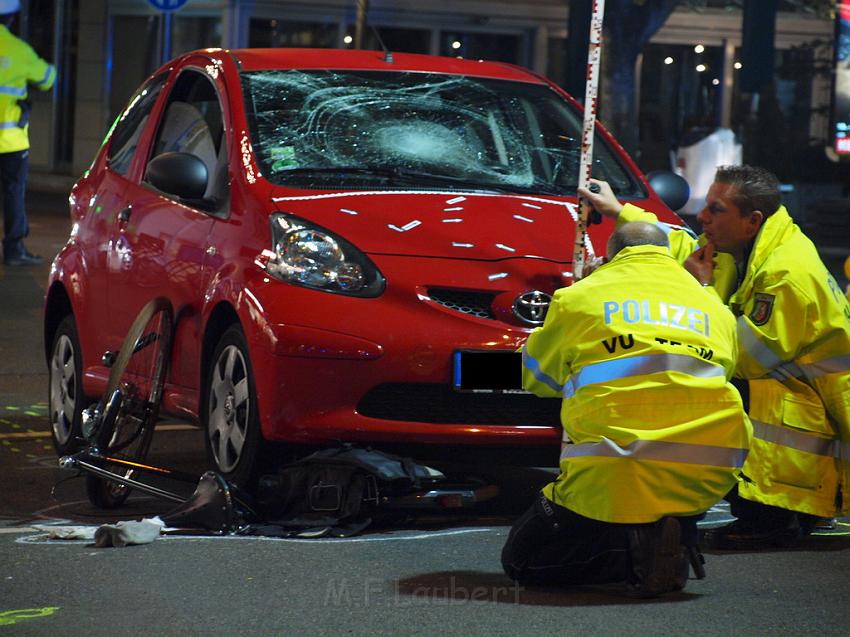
(131, 402)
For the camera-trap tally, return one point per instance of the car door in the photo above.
(159, 247)
(112, 197)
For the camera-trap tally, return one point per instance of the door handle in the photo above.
(124, 215)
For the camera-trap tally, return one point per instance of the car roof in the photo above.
(339, 59)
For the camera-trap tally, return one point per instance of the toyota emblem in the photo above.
(531, 307)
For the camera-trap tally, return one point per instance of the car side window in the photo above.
(192, 123)
(129, 125)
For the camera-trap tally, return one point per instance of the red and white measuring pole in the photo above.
(594, 53)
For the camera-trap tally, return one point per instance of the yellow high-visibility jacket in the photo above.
(794, 342)
(19, 66)
(641, 355)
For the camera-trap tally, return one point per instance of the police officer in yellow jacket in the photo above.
(641, 355)
(19, 66)
(794, 341)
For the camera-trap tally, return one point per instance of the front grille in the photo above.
(474, 303)
(440, 404)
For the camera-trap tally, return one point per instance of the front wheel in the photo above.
(235, 446)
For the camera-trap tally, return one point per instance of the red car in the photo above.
(354, 244)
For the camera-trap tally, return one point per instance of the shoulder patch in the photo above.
(762, 309)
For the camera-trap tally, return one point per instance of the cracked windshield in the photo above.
(379, 130)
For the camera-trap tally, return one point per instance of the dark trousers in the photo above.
(551, 545)
(763, 518)
(13, 180)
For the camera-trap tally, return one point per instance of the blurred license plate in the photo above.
(488, 372)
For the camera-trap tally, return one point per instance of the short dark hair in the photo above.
(755, 188)
(636, 233)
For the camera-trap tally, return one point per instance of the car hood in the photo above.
(478, 226)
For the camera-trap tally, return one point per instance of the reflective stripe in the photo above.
(47, 75)
(750, 342)
(13, 90)
(667, 228)
(660, 450)
(9, 124)
(786, 371)
(532, 365)
(833, 365)
(800, 440)
(826, 366)
(640, 366)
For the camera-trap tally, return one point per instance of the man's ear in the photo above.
(754, 223)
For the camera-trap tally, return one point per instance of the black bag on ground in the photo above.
(333, 492)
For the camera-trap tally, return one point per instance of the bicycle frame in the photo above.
(89, 460)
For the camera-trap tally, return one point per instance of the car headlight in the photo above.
(306, 254)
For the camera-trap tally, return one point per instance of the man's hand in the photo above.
(592, 265)
(701, 264)
(603, 201)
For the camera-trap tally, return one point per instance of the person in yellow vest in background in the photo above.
(641, 355)
(19, 67)
(794, 351)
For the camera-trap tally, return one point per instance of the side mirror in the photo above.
(673, 189)
(181, 174)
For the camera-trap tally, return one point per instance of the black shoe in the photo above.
(659, 561)
(744, 536)
(23, 258)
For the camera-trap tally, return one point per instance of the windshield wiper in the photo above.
(338, 170)
(408, 175)
(403, 174)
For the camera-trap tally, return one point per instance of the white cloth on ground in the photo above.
(129, 532)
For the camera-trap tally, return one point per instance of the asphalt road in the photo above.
(427, 575)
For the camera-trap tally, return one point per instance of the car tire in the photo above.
(65, 388)
(235, 446)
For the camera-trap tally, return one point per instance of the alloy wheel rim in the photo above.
(62, 389)
(229, 409)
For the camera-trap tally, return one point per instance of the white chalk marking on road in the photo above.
(42, 538)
